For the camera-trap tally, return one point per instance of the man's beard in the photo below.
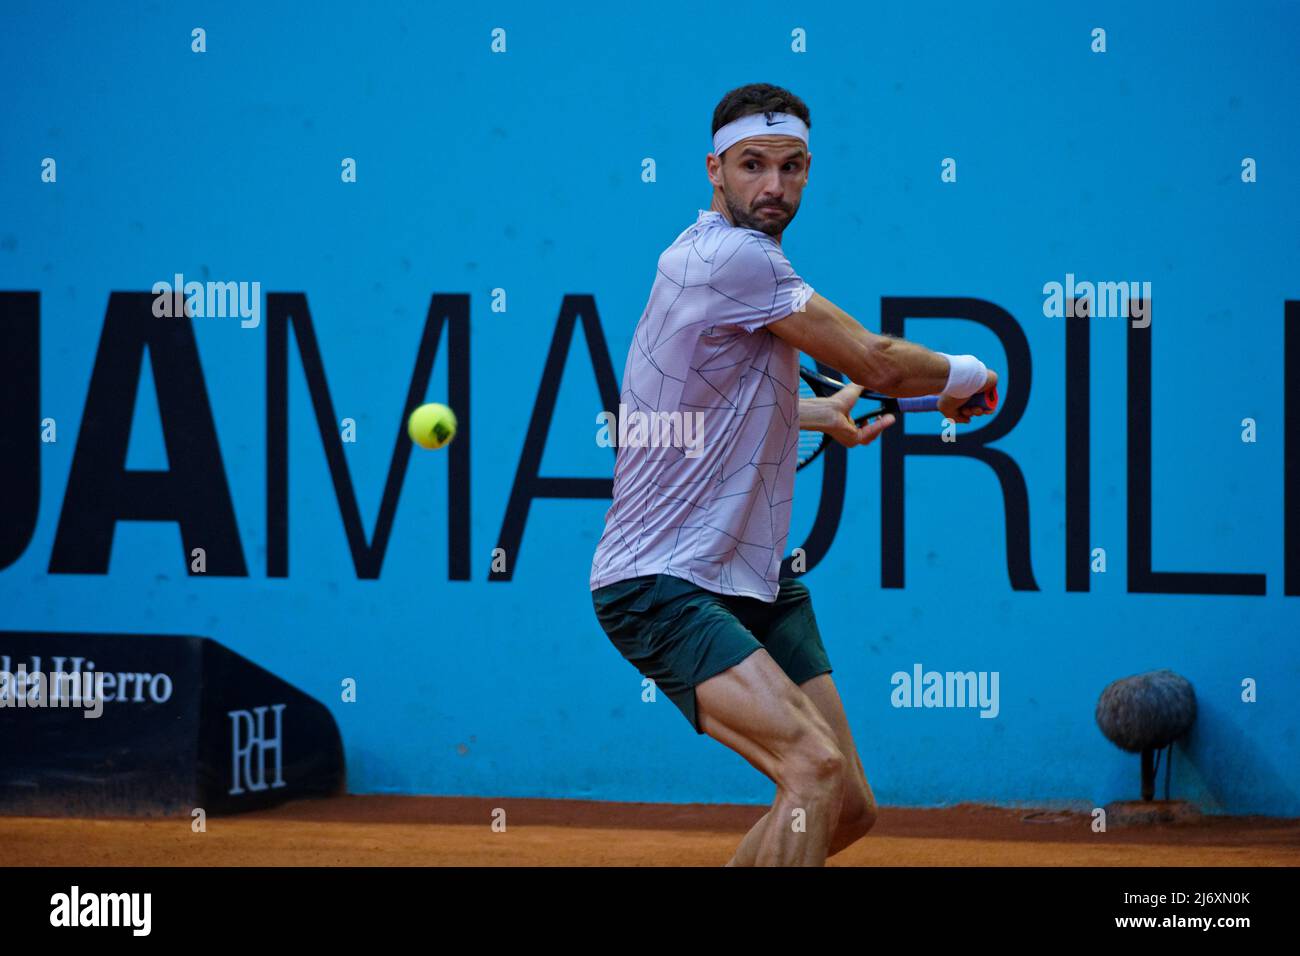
(763, 222)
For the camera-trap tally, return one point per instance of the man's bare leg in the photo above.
(748, 849)
(757, 711)
(858, 811)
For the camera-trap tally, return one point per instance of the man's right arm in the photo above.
(880, 363)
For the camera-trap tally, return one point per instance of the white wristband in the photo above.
(966, 376)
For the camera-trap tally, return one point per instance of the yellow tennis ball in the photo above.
(432, 425)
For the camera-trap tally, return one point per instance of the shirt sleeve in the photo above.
(754, 284)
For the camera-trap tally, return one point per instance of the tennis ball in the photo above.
(432, 425)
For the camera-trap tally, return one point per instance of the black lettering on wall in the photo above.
(1078, 450)
(1291, 452)
(528, 483)
(285, 309)
(192, 491)
(897, 444)
(1141, 579)
(20, 438)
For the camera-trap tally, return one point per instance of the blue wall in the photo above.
(522, 171)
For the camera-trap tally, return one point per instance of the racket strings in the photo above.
(809, 441)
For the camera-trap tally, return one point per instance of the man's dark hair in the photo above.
(758, 98)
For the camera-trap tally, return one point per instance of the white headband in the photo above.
(759, 124)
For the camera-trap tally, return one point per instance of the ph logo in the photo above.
(249, 746)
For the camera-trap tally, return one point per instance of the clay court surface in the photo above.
(454, 831)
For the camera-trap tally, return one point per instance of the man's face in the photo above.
(762, 181)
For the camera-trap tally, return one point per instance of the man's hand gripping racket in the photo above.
(840, 426)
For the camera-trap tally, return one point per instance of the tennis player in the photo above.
(685, 579)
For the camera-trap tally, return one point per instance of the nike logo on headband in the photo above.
(769, 120)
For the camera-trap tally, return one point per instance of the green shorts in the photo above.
(679, 634)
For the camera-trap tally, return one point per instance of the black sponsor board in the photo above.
(153, 725)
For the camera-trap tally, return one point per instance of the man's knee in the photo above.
(814, 769)
(857, 813)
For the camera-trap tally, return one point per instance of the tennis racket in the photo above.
(813, 384)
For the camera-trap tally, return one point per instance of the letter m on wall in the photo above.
(290, 309)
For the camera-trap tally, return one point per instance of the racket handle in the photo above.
(930, 403)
